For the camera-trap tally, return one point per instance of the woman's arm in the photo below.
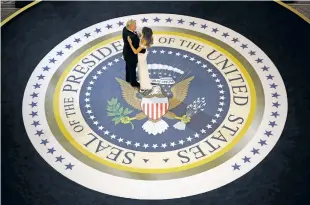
(136, 51)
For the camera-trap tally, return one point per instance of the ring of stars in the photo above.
(37, 123)
(272, 124)
(76, 41)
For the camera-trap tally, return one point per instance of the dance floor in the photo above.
(225, 124)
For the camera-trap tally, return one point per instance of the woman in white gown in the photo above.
(146, 41)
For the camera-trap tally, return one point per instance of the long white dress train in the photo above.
(143, 71)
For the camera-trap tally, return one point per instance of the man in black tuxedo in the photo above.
(130, 57)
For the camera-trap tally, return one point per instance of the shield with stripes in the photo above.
(155, 107)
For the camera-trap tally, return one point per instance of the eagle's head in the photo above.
(156, 90)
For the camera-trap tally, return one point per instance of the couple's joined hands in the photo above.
(129, 40)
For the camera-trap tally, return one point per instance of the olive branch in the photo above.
(118, 112)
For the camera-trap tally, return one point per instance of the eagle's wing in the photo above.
(170, 115)
(129, 94)
(179, 91)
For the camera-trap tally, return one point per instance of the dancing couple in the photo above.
(134, 53)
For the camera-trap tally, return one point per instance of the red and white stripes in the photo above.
(153, 108)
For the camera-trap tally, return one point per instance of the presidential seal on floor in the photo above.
(217, 108)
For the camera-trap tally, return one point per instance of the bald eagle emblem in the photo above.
(155, 106)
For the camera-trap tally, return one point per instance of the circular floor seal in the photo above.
(219, 108)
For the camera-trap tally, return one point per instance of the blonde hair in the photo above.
(129, 23)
